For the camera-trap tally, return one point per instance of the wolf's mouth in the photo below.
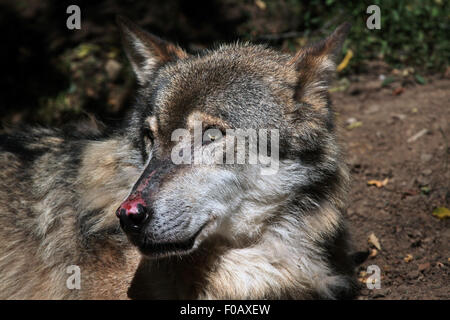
(164, 249)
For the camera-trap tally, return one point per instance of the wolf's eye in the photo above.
(212, 134)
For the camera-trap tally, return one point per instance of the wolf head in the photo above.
(195, 106)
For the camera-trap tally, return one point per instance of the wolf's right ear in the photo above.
(315, 64)
(145, 51)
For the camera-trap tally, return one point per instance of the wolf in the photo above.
(138, 225)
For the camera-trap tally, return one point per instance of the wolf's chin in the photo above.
(152, 250)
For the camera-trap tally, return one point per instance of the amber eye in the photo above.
(212, 134)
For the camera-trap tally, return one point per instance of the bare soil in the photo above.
(415, 245)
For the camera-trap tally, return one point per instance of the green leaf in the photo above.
(387, 81)
(420, 79)
(434, 12)
(354, 125)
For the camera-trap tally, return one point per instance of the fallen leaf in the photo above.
(354, 125)
(424, 266)
(345, 61)
(378, 183)
(420, 79)
(408, 257)
(398, 91)
(441, 213)
(373, 240)
(439, 264)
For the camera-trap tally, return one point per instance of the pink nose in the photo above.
(133, 211)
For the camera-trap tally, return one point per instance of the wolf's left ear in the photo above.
(145, 51)
(316, 64)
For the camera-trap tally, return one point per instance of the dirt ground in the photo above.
(382, 135)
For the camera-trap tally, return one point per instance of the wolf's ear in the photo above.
(315, 65)
(145, 51)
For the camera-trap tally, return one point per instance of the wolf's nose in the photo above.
(132, 217)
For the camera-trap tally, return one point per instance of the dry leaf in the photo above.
(441, 213)
(424, 266)
(373, 240)
(398, 91)
(345, 61)
(408, 257)
(378, 183)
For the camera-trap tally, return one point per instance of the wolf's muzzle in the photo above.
(137, 210)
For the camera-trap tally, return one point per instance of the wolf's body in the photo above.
(58, 193)
(243, 234)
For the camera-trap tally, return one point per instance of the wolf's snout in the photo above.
(133, 213)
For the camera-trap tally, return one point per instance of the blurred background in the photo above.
(391, 96)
